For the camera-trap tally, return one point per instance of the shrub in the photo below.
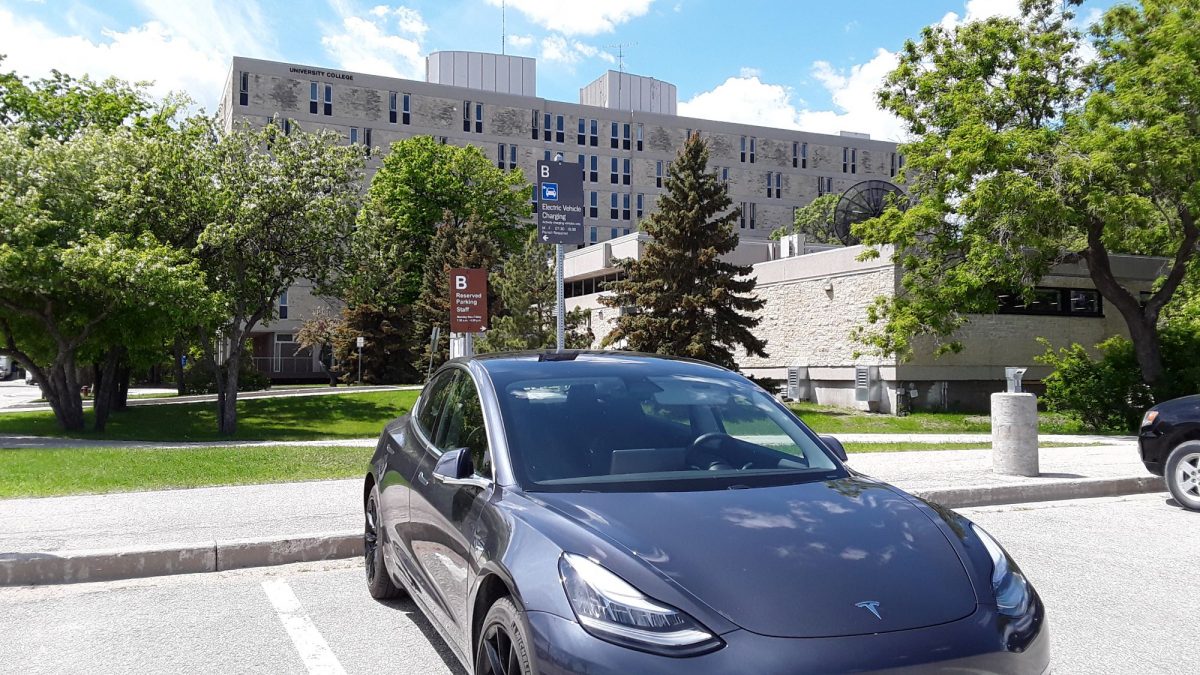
(1107, 394)
(198, 378)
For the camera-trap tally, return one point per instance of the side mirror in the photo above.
(836, 446)
(454, 465)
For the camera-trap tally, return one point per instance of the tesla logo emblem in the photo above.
(871, 606)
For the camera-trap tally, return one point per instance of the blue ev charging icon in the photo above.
(549, 192)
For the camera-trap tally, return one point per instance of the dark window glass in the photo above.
(328, 100)
(559, 136)
(612, 210)
(462, 425)
(433, 398)
(313, 98)
(594, 206)
(536, 120)
(614, 142)
(580, 138)
(244, 89)
(479, 118)
(594, 136)
(407, 110)
(466, 116)
(641, 132)
(392, 111)
(625, 138)
(613, 172)
(752, 144)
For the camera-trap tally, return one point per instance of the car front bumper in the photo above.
(1154, 450)
(977, 644)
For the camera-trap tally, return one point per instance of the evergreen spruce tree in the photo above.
(469, 245)
(688, 301)
(525, 289)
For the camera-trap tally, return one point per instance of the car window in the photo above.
(432, 401)
(636, 432)
(462, 424)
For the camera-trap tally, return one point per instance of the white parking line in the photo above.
(314, 651)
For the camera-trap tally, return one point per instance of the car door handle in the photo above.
(421, 478)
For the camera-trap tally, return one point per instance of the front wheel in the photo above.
(379, 583)
(1182, 472)
(503, 646)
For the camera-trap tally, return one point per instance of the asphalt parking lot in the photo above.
(1117, 574)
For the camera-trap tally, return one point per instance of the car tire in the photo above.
(1182, 473)
(503, 647)
(379, 582)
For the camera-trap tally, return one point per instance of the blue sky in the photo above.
(810, 64)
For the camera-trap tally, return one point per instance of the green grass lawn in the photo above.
(830, 420)
(295, 418)
(63, 471)
(852, 448)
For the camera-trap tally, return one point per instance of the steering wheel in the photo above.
(701, 458)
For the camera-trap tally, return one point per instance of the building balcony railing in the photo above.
(288, 366)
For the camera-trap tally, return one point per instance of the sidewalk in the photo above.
(77, 538)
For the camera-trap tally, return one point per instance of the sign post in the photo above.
(560, 221)
(361, 341)
(468, 308)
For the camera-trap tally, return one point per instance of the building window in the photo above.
(442, 140)
(537, 116)
(625, 231)
(626, 171)
(582, 166)
(751, 206)
(533, 194)
(499, 155)
(593, 205)
(407, 110)
(612, 234)
(724, 174)
(392, 107)
(625, 137)
(283, 309)
(753, 142)
(592, 234)
(546, 131)
(795, 155)
(314, 101)
(778, 184)
(613, 173)
(641, 132)
(328, 100)
(512, 157)
(742, 216)
(367, 140)
(641, 205)
(581, 137)
(353, 135)
(743, 149)
(594, 135)
(546, 156)
(849, 160)
(824, 185)
(804, 155)
(467, 116)
(559, 130)
(658, 173)
(612, 207)
(1054, 302)
(594, 176)
(615, 141)
(244, 89)
(770, 184)
(625, 206)
(479, 118)
(892, 170)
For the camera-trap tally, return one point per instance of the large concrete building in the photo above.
(623, 133)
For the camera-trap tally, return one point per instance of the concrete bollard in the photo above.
(1014, 434)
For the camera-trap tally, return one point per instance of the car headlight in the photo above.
(610, 609)
(1008, 584)
(1149, 418)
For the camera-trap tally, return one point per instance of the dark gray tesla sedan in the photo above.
(607, 512)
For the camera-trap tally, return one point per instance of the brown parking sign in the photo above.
(468, 300)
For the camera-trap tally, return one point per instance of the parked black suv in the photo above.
(1169, 439)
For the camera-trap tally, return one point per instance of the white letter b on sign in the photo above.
(460, 282)
(545, 171)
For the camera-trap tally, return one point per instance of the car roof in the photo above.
(517, 360)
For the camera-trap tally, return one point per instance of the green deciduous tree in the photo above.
(1025, 157)
(284, 207)
(72, 277)
(688, 301)
(59, 106)
(815, 221)
(525, 288)
(421, 185)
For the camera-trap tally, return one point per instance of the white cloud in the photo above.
(593, 52)
(558, 49)
(224, 26)
(578, 17)
(155, 51)
(749, 100)
(520, 41)
(982, 9)
(384, 41)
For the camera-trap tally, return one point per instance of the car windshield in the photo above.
(576, 427)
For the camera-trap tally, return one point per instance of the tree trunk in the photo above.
(121, 393)
(60, 388)
(228, 401)
(106, 383)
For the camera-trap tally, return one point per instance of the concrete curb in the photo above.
(66, 567)
(992, 495)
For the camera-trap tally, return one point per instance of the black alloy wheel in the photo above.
(503, 649)
(379, 583)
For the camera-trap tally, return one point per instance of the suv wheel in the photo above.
(1183, 475)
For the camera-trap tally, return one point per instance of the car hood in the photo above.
(790, 561)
